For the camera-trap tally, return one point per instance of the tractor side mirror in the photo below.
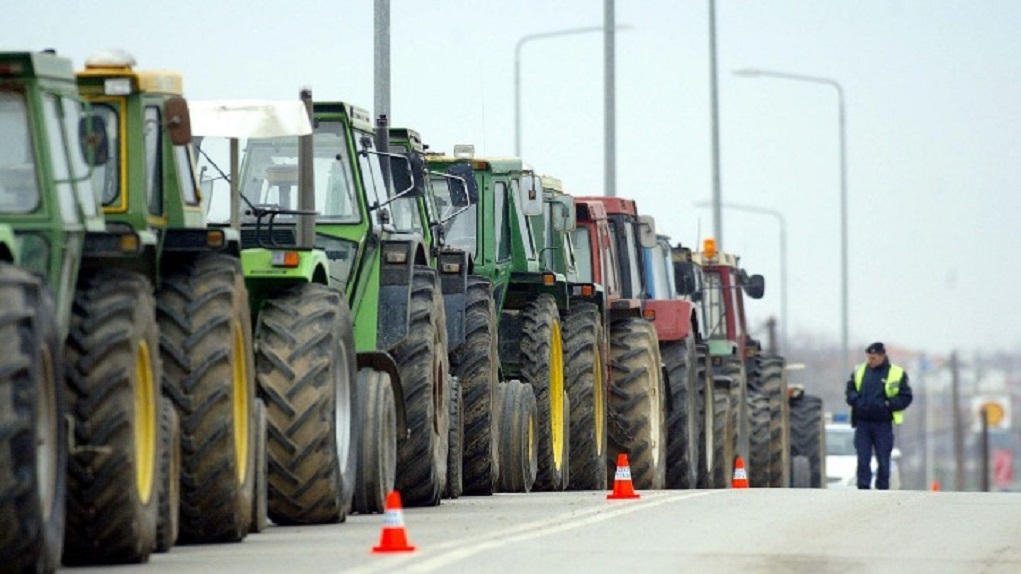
(531, 195)
(408, 174)
(684, 278)
(563, 213)
(755, 287)
(463, 188)
(178, 120)
(92, 138)
(647, 231)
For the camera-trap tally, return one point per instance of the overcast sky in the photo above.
(933, 99)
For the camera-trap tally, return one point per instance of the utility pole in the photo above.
(717, 193)
(955, 387)
(610, 99)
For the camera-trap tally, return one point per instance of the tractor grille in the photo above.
(283, 236)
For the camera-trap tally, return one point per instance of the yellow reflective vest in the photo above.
(893, 378)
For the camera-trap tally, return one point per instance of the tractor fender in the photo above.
(382, 362)
(673, 318)
(396, 266)
(453, 268)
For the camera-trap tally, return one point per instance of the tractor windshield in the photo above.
(106, 177)
(656, 275)
(270, 175)
(19, 191)
(715, 305)
(583, 254)
(460, 230)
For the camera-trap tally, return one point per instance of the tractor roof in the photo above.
(35, 65)
(108, 66)
(249, 118)
(614, 205)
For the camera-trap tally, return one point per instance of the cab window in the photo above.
(19, 190)
(153, 160)
(501, 221)
(106, 177)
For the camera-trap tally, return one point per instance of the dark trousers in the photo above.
(878, 435)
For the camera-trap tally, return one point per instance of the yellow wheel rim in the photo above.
(556, 394)
(145, 423)
(531, 438)
(599, 398)
(241, 406)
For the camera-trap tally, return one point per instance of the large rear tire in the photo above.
(542, 348)
(637, 407)
(476, 364)
(260, 503)
(723, 443)
(707, 420)
(423, 364)
(206, 347)
(683, 422)
(377, 441)
(518, 450)
(808, 436)
(773, 382)
(758, 457)
(455, 441)
(305, 361)
(801, 472)
(733, 366)
(114, 397)
(586, 375)
(33, 441)
(168, 527)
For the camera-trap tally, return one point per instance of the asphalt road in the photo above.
(746, 531)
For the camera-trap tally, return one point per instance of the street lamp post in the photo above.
(754, 73)
(517, 69)
(783, 255)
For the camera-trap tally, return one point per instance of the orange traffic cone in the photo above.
(393, 538)
(740, 476)
(622, 487)
(935, 486)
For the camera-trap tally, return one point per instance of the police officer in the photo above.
(878, 393)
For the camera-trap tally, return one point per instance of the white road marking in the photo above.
(442, 555)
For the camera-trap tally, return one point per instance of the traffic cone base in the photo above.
(740, 475)
(394, 537)
(623, 489)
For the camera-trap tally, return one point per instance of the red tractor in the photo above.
(669, 418)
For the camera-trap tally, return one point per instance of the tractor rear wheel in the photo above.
(704, 377)
(476, 363)
(455, 441)
(585, 373)
(518, 450)
(423, 364)
(723, 443)
(206, 347)
(636, 409)
(260, 502)
(683, 428)
(305, 361)
(758, 449)
(168, 527)
(808, 436)
(542, 348)
(733, 366)
(114, 397)
(33, 441)
(774, 384)
(377, 442)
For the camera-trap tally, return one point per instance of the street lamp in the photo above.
(517, 69)
(757, 73)
(783, 255)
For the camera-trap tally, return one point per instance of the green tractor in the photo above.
(95, 348)
(586, 335)
(533, 449)
(471, 319)
(305, 363)
(205, 334)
